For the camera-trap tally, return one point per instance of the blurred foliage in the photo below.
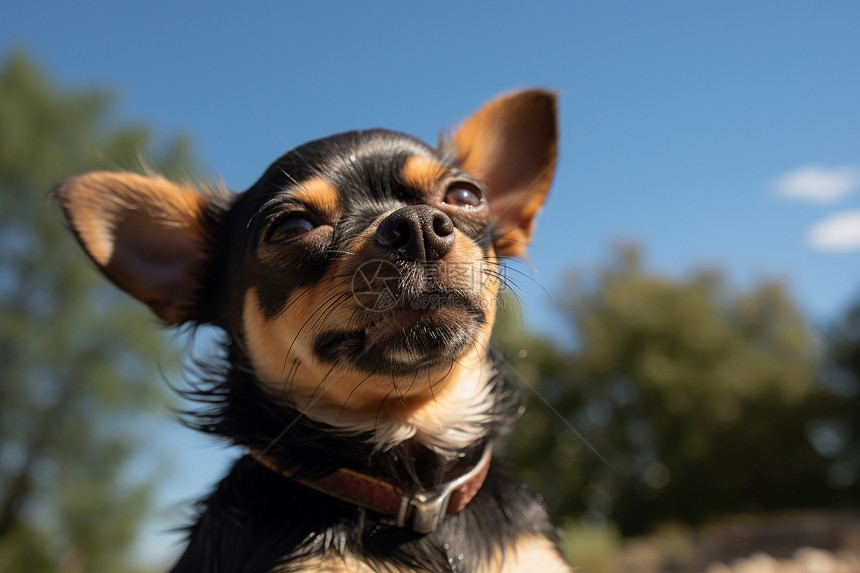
(73, 385)
(837, 434)
(592, 548)
(681, 400)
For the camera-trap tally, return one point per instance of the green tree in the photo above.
(838, 431)
(698, 399)
(73, 384)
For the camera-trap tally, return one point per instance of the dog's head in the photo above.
(357, 266)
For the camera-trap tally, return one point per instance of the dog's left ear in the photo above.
(510, 144)
(150, 237)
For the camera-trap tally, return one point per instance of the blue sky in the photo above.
(714, 134)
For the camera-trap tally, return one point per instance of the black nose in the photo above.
(417, 232)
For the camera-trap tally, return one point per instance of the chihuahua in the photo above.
(357, 284)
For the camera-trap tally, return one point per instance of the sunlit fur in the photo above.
(312, 374)
(444, 407)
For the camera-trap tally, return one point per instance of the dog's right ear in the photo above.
(149, 236)
(511, 144)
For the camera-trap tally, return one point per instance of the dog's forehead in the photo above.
(357, 165)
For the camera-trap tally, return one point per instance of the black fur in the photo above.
(256, 519)
(364, 166)
(308, 225)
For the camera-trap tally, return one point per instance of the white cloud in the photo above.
(839, 232)
(816, 184)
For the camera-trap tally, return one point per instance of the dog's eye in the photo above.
(289, 227)
(463, 195)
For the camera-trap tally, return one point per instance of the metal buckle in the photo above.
(423, 511)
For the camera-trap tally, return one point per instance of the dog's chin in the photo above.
(404, 340)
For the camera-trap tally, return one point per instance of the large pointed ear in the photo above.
(510, 144)
(149, 236)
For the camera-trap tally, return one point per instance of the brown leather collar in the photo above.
(422, 511)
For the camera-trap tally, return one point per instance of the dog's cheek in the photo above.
(491, 276)
(478, 272)
(490, 301)
(280, 349)
(263, 340)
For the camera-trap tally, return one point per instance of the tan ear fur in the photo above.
(147, 235)
(510, 144)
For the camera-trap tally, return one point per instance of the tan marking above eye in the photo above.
(422, 173)
(319, 195)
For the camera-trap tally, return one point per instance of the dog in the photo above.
(356, 283)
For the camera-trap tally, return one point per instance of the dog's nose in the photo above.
(417, 232)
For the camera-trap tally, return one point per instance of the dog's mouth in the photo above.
(426, 332)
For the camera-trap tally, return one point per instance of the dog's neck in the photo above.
(315, 439)
(451, 419)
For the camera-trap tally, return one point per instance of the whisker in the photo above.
(291, 375)
(516, 292)
(351, 392)
(338, 300)
(411, 384)
(313, 286)
(379, 410)
(296, 337)
(394, 386)
(287, 175)
(295, 420)
(337, 252)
